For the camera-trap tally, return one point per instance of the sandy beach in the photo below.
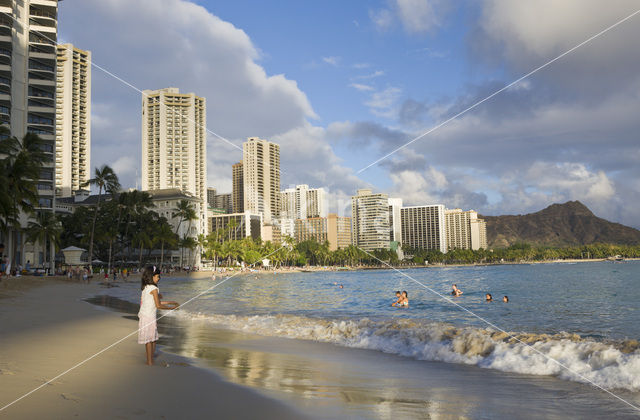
(47, 328)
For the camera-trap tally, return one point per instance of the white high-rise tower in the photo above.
(73, 119)
(261, 177)
(174, 147)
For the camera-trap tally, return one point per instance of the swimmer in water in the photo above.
(489, 297)
(341, 286)
(505, 299)
(455, 291)
(405, 299)
(399, 299)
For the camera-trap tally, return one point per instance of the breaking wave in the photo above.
(611, 365)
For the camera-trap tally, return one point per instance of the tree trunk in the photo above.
(140, 260)
(93, 228)
(161, 254)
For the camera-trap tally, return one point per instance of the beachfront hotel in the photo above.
(261, 178)
(423, 227)
(28, 78)
(174, 147)
(237, 188)
(333, 228)
(73, 119)
(303, 202)
(370, 220)
(464, 230)
(28, 36)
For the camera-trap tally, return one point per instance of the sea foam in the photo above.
(611, 365)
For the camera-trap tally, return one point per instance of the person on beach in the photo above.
(455, 292)
(149, 303)
(505, 299)
(489, 297)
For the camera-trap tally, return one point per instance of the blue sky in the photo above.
(340, 84)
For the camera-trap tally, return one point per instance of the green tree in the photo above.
(106, 180)
(45, 228)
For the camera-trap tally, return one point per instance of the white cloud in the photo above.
(333, 60)
(418, 15)
(373, 75)
(415, 16)
(384, 103)
(180, 44)
(362, 87)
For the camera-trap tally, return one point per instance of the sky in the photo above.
(340, 85)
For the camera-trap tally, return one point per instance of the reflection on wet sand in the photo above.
(336, 382)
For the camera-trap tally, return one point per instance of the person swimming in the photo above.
(405, 299)
(489, 297)
(455, 291)
(399, 299)
(505, 299)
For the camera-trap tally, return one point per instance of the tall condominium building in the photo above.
(423, 227)
(261, 177)
(28, 37)
(395, 226)
(302, 202)
(464, 230)
(370, 220)
(223, 201)
(174, 144)
(478, 234)
(73, 119)
(334, 229)
(211, 196)
(237, 192)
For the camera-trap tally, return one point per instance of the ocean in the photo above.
(566, 330)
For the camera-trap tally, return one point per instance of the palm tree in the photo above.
(105, 179)
(186, 212)
(46, 227)
(21, 167)
(143, 239)
(164, 235)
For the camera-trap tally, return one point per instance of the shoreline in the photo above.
(37, 347)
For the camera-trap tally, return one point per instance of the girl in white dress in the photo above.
(149, 302)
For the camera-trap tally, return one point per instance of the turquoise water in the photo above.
(577, 322)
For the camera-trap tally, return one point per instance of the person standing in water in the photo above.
(505, 299)
(405, 299)
(399, 299)
(489, 297)
(149, 303)
(455, 292)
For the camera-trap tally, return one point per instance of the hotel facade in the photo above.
(73, 119)
(174, 148)
(370, 220)
(261, 178)
(423, 227)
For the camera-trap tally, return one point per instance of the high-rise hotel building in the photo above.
(464, 230)
(370, 220)
(423, 227)
(174, 144)
(237, 192)
(261, 178)
(73, 119)
(303, 202)
(28, 36)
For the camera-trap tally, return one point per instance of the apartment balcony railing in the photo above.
(37, 66)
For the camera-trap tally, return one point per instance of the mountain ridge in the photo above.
(566, 224)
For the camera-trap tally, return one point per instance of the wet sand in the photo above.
(47, 329)
(334, 382)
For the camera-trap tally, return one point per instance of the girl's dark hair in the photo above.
(405, 293)
(147, 276)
